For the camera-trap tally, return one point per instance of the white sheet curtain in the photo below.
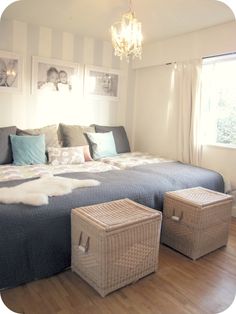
(188, 85)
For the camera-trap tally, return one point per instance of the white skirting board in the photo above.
(234, 211)
(233, 193)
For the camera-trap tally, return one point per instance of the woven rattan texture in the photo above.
(199, 196)
(118, 257)
(195, 232)
(117, 213)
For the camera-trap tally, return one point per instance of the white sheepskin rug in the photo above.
(36, 192)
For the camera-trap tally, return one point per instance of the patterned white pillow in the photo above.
(65, 155)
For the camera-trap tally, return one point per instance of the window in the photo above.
(219, 100)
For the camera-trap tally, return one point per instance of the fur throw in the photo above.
(36, 192)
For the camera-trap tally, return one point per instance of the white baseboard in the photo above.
(234, 211)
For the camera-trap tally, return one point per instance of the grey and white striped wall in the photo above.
(26, 110)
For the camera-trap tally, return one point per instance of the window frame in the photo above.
(212, 60)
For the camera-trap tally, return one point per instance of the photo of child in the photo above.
(54, 78)
(103, 84)
(63, 84)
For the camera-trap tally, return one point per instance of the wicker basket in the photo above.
(196, 221)
(115, 243)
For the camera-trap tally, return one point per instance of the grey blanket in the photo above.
(35, 242)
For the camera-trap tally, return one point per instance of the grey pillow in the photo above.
(5, 144)
(73, 135)
(120, 137)
(50, 132)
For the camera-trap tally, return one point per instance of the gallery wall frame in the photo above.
(11, 72)
(101, 83)
(53, 75)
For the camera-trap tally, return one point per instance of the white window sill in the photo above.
(221, 146)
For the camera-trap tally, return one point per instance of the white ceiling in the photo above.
(160, 18)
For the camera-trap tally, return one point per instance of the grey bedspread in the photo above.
(35, 241)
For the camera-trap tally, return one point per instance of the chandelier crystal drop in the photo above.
(127, 36)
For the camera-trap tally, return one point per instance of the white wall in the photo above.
(27, 110)
(207, 42)
(224, 161)
(155, 121)
(156, 124)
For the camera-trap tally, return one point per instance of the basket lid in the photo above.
(199, 196)
(116, 214)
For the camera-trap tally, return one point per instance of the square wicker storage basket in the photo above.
(196, 221)
(115, 243)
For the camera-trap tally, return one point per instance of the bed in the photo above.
(35, 241)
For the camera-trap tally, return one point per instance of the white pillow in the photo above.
(65, 155)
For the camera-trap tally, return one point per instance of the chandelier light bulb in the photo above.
(127, 36)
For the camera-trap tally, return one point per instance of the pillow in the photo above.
(5, 144)
(50, 132)
(87, 155)
(73, 135)
(66, 155)
(120, 137)
(103, 144)
(28, 150)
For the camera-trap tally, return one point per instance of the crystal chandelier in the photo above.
(127, 36)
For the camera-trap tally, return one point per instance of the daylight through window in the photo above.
(219, 100)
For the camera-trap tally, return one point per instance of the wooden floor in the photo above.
(180, 286)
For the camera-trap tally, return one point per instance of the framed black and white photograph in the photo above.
(11, 72)
(53, 75)
(101, 83)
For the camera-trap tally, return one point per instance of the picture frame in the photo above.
(101, 83)
(53, 75)
(11, 72)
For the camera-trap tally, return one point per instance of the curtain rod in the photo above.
(220, 55)
(208, 57)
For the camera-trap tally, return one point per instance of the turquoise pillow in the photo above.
(103, 144)
(28, 150)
